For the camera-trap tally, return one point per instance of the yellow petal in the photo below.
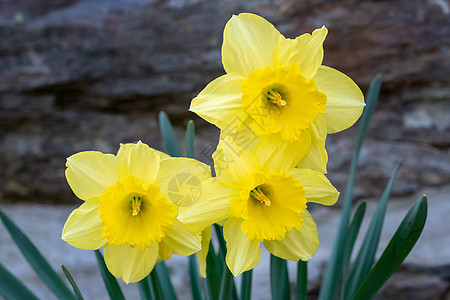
(164, 252)
(298, 244)
(317, 187)
(161, 154)
(83, 227)
(305, 51)
(130, 263)
(317, 157)
(242, 253)
(140, 160)
(90, 173)
(213, 206)
(201, 255)
(181, 240)
(220, 101)
(345, 101)
(275, 154)
(180, 179)
(240, 132)
(234, 165)
(248, 43)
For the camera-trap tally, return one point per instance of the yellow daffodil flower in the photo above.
(263, 197)
(130, 207)
(278, 86)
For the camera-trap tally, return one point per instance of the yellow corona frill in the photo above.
(278, 86)
(263, 197)
(131, 204)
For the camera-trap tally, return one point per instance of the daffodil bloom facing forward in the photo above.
(263, 197)
(278, 86)
(130, 207)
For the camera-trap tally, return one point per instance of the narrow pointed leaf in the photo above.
(214, 269)
(190, 133)
(302, 280)
(246, 285)
(164, 282)
(279, 279)
(69, 277)
(353, 231)
(13, 288)
(194, 276)
(396, 251)
(366, 254)
(145, 289)
(193, 271)
(112, 287)
(333, 273)
(37, 261)
(168, 135)
(221, 256)
(155, 287)
(226, 286)
(371, 101)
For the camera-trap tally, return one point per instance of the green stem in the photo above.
(246, 285)
(302, 280)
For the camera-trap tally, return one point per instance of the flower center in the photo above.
(271, 207)
(275, 97)
(135, 202)
(258, 194)
(134, 214)
(281, 100)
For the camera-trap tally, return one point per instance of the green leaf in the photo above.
(145, 289)
(193, 271)
(302, 280)
(226, 286)
(164, 282)
(37, 261)
(366, 255)
(352, 234)
(168, 135)
(279, 279)
(371, 101)
(69, 277)
(194, 276)
(155, 288)
(112, 287)
(13, 288)
(190, 133)
(221, 256)
(353, 231)
(333, 273)
(214, 268)
(396, 251)
(246, 285)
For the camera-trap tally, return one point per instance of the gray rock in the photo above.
(86, 75)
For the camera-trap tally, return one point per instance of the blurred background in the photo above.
(80, 75)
